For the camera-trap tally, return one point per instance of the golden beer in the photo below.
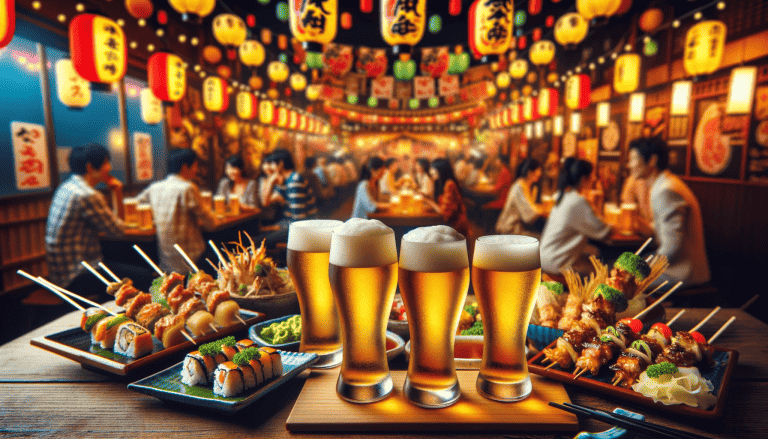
(234, 206)
(131, 206)
(505, 277)
(145, 216)
(363, 276)
(220, 205)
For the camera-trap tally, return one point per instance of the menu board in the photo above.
(757, 158)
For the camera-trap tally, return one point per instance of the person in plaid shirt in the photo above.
(178, 212)
(78, 213)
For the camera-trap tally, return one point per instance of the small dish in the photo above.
(166, 385)
(254, 333)
(399, 327)
(274, 305)
(395, 345)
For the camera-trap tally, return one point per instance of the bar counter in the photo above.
(42, 394)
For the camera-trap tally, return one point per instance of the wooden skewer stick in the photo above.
(672, 320)
(95, 273)
(213, 327)
(583, 371)
(109, 272)
(53, 290)
(188, 337)
(658, 302)
(618, 380)
(186, 257)
(551, 365)
(658, 288)
(218, 253)
(645, 244)
(237, 316)
(706, 319)
(149, 261)
(76, 296)
(722, 328)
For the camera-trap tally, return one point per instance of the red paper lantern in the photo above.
(139, 8)
(548, 101)
(250, 20)
(522, 42)
(537, 34)
(346, 20)
(578, 89)
(247, 105)
(534, 6)
(162, 17)
(454, 7)
(97, 46)
(7, 21)
(550, 21)
(215, 96)
(530, 108)
(366, 6)
(167, 78)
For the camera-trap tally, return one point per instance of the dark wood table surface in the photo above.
(420, 215)
(44, 395)
(222, 223)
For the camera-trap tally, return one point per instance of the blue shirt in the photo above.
(363, 202)
(320, 172)
(299, 200)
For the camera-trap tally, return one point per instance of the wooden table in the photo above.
(42, 394)
(419, 216)
(222, 223)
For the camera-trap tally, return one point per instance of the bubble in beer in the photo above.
(507, 253)
(311, 235)
(363, 243)
(433, 249)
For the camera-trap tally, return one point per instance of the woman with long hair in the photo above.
(367, 193)
(520, 212)
(426, 186)
(449, 200)
(571, 222)
(235, 184)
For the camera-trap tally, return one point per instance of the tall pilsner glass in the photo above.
(363, 275)
(433, 278)
(309, 246)
(506, 270)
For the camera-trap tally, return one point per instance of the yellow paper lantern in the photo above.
(151, 107)
(578, 92)
(490, 27)
(651, 20)
(636, 107)
(530, 108)
(704, 44)
(558, 126)
(98, 48)
(255, 82)
(741, 90)
(548, 98)
(282, 117)
(73, 90)
(575, 122)
(266, 111)
(293, 120)
(571, 29)
(201, 8)
(590, 9)
(251, 53)
(681, 98)
(211, 54)
(277, 71)
(626, 73)
(247, 105)
(298, 81)
(542, 52)
(302, 122)
(229, 30)
(518, 68)
(313, 91)
(503, 80)
(313, 21)
(402, 23)
(215, 96)
(603, 117)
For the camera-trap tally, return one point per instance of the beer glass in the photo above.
(145, 216)
(506, 270)
(207, 197)
(433, 279)
(627, 218)
(309, 245)
(220, 205)
(363, 276)
(131, 206)
(234, 205)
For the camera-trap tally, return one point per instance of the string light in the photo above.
(133, 45)
(698, 15)
(194, 41)
(160, 32)
(151, 47)
(142, 22)
(36, 5)
(62, 18)
(197, 67)
(676, 23)
(182, 38)
(121, 22)
(79, 7)
(721, 5)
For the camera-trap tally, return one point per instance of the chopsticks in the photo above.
(644, 427)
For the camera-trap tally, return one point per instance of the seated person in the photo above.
(322, 192)
(520, 213)
(179, 212)
(503, 183)
(449, 201)
(235, 184)
(388, 182)
(426, 186)
(367, 193)
(571, 222)
(677, 219)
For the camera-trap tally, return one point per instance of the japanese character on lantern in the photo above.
(98, 49)
(704, 44)
(403, 22)
(313, 22)
(490, 27)
(167, 76)
(73, 90)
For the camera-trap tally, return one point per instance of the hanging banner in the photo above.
(435, 61)
(371, 62)
(476, 91)
(383, 87)
(30, 156)
(423, 87)
(337, 59)
(331, 93)
(142, 157)
(448, 85)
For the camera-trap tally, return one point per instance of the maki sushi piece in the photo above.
(133, 340)
(90, 318)
(272, 362)
(229, 380)
(106, 330)
(197, 368)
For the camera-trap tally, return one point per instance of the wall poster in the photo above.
(757, 168)
(30, 156)
(718, 141)
(142, 157)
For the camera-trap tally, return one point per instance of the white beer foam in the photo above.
(311, 235)
(363, 243)
(507, 253)
(433, 249)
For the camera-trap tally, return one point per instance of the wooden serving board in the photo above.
(318, 408)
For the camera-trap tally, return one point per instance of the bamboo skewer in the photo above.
(582, 372)
(149, 261)
(706, 319)
(661, 299)
(186, 257)
(95, 273)
(720, 331)
(53, 290)
(218, 253)
(109, 272)
(659, 287)
(237, 316)
(672, 320)
(51, 286)
(642, 247)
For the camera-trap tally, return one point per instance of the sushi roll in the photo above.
(229, 347)
(229, 380)
(245, 344)
(272, 362)
(197, 368)
(106, 330)
(249, 375)
(90, 318)
(133, 340)
(250, 359)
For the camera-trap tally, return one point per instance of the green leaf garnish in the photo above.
(555, 287)
(246, 355)
(118, 319)
(657, 370)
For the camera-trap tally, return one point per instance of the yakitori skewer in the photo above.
(720, 331)
(218, 254)
(109, 272)
(645, 244)
(677, 316)
(706, 319)
(186, 257)
(56, 288)
(53, 290)
(658, 288)
(149, 261)
(90, 268)
(658, 302)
